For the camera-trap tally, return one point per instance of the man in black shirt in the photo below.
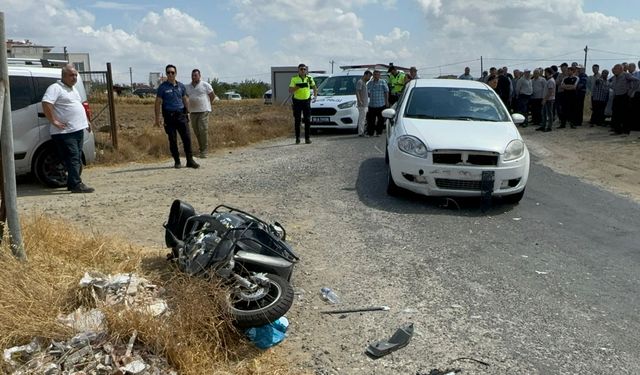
(570, 98)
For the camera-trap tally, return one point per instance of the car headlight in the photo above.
(412, 146)
(347, 104)
(514, 150)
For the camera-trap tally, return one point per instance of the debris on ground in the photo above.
(91, 351)
(400, 339)
(329, 295)
(355, 310)
(435, 371)
(268, 335)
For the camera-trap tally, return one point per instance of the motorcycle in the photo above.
(250, 255)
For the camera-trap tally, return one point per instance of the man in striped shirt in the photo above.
(599, 98)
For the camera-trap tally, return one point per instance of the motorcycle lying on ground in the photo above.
(248, 254)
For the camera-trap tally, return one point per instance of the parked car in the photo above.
(34, 150)
(232, 96)
(454, 138)
(145, 92)
(268, 97)
(335, 107)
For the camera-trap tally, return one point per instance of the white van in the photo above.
(34, 151)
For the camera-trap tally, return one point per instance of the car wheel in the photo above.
(49, 169)
(513, 198)
(392, 189)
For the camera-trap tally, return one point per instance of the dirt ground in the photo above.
(591, 154)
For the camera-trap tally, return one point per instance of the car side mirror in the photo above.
(389, 113)
(517, 118)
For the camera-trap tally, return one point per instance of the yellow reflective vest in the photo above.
(396, 83)
(304, 87)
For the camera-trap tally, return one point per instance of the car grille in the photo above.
(323, 111)
(465, 158)
(449, 184)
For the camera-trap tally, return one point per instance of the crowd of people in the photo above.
(557, 95)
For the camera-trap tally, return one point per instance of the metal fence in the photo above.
(99, 87)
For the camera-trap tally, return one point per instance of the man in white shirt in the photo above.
(201, 96)
(63, 108)
(362, 98)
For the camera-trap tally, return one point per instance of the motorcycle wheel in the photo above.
(272, 303)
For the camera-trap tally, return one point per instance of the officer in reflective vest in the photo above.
(300, 88)
(396, 84)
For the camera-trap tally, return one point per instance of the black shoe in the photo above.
(573, 126)
(540, 129)
(177, 165)
(546, 130)
(307, 141)
(562, 126)
(192, 164)
(297, 141)
(82, 188)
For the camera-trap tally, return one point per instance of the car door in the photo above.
(41, 83)
(24, 118)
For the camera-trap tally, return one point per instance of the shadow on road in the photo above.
(371, 186)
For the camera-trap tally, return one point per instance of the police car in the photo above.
(335, 107)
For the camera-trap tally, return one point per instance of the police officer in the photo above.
(300, 88)
(396, 84)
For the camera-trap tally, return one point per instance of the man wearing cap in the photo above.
(300, 88)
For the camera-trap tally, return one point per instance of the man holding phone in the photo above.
(300, 88)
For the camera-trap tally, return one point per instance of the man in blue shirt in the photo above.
(172, 99)
(378, 101)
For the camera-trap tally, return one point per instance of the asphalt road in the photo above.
(549, 286)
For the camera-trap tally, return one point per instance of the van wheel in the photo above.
(49, 170)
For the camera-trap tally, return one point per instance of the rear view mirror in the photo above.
(517, 118)
(389, 113)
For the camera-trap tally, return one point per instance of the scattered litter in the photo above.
(476, 316)
(399, 340)
(524, 256)
(517, 218)
(456, 306)
(542, 272)
(410, 311)
(268, 335)
(470, 359)
(448, 201)
(85, 321)
(134, 367)
(435, 371)
(362, 309)
(18, 353)
(329, 295)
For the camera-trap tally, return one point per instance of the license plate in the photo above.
(317, 120)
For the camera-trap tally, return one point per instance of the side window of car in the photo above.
(42, 83)
(21, 92)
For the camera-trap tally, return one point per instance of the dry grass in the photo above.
(196, 338)
(231, 124)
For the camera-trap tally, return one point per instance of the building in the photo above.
(28, 50)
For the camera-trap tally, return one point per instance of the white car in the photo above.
(454, 138)
(335, 107)
(34, 151)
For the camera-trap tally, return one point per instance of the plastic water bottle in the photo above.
(329, 295)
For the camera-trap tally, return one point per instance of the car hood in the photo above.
(462, 135)
(332, 101)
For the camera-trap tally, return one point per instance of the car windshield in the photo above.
(319, 80)
(338, 85)
(455, 103)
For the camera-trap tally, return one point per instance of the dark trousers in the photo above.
(375, 121)
(560, 108)
(579, 114)
(69, 148)
(176, 123)
(393, 98)
(619, 118)
(634, 112)
(569, 107)
(536, 111)
(523, 107)
(301, 108)
(597, 112)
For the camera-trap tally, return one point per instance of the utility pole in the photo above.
(586, 48)
(332, 62)
(481, 67)
(66, 55)
(131, 78)
(9, 189)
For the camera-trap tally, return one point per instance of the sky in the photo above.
(236, 40)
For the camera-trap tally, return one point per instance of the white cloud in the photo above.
(430, 6)
(117, 5)
(395, 35)
(173, 27)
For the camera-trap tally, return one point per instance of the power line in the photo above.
(613, 53)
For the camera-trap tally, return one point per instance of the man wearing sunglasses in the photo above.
(300, 88)
(172, 99)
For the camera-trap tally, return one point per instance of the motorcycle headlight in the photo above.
(347, 104)
(514, 150)
(412, 146)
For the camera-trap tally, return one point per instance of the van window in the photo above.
(21, 92)
(339, 85)
(41, 86)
